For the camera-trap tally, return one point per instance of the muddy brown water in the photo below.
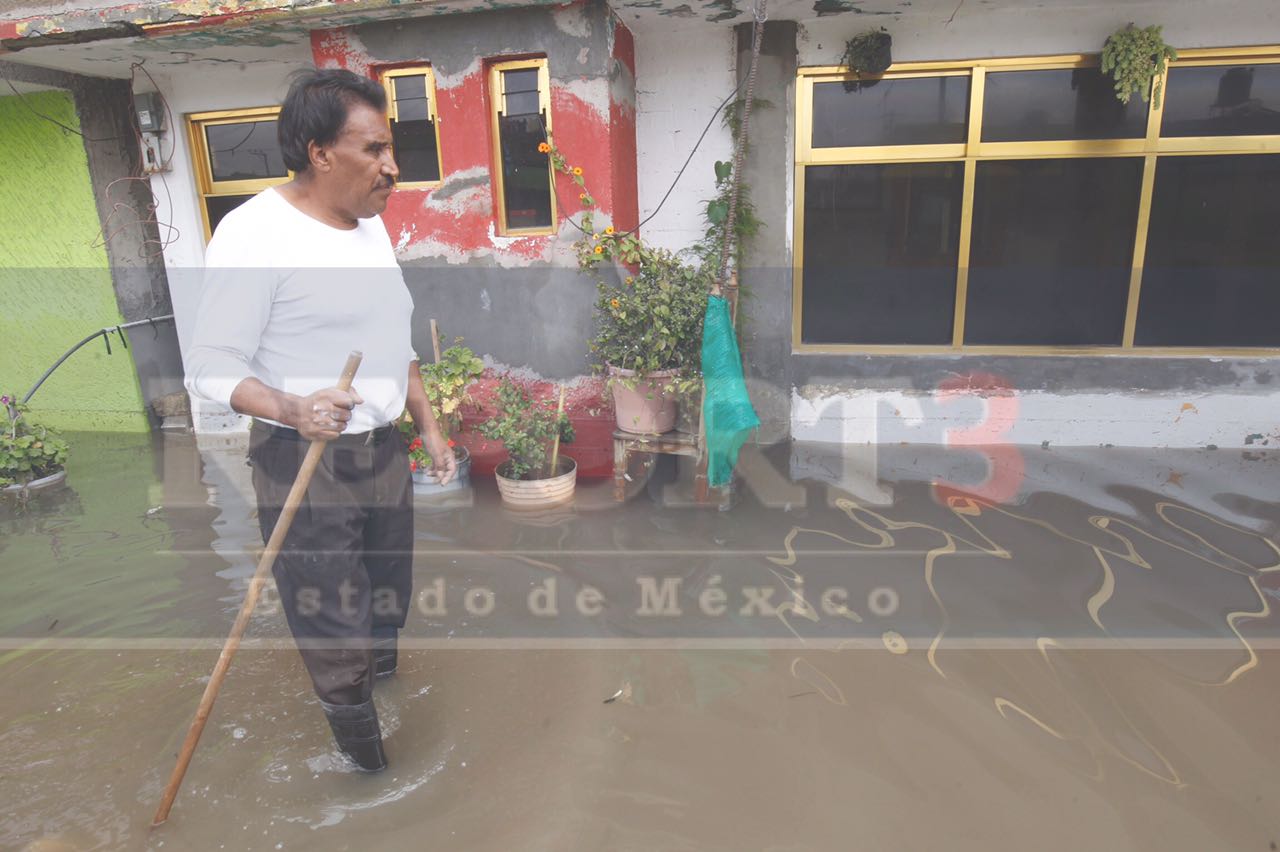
(850, 656)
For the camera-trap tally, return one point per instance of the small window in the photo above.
(912, 111)
(520, 93)
(236, 154)
(1058, 103)
(415, 123)
(1223, 100)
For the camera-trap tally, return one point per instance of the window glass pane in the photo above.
(526, 176)
(1222, 100)
(916, 111)
(1067, 103)
(880, 249)
(244, 151)
(218, 206)
(1052, 251)
(1212, 269)
(408, 88)
(414, 145)
(411, 98)
(521, 92)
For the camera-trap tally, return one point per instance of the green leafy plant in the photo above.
(446, 383)
(1134, 57)
(746, 224)
(651, 321)
(526, 429)
(28, 450)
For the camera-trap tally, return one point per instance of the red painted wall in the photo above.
(462, 227)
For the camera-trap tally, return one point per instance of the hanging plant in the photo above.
(1135, 58)
(870, 52)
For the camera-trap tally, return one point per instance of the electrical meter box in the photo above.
(150, 112)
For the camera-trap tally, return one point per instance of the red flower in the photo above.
(413, 465)
(417, 442)
(452, 443)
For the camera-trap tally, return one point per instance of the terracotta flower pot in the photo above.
(534, 493)
(644, 409)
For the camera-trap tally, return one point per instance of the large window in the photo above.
(521, 103)
(236, 155)
(1017, 206)
(414, 121)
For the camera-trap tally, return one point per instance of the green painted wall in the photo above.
(55, 280)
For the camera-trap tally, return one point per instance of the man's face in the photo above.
(362, 169)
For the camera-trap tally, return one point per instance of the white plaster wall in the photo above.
(925, 31)
(682, 75)
(201, 87)
(1132, 419)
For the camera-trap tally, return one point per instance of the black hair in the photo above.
(315, 110)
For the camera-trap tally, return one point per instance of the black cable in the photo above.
(679, 174)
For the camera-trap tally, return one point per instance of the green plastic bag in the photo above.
(726, 408)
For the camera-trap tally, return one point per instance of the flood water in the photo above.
(1076, 653)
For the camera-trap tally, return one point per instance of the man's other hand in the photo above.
(444, 467)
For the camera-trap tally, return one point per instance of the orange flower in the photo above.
(577, 171)
(609, 230)
(599, 249)
(582, 196)
(543, 147)
(614, 302)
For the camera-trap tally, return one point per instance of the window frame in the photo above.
(497, 165)
(974, 150)
(202, 164)
(385, 78)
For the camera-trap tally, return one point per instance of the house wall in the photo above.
(1120, 400)
(55, 278)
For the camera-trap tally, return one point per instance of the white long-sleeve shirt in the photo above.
(286, 298)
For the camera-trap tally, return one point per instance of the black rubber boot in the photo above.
(384, 651)
(357, 733)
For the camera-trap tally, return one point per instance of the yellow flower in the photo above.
(582, 196)
(614, 302)
(630, 280)
(609, 230)
(595, 236)
(599, 249)
(577, 171)
(543, 147)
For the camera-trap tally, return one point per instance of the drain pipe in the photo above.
(105, 334)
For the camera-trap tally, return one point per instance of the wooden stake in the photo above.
(435, 340)
(555, 447)
(291, 503)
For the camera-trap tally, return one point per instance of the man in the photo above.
(298, 277)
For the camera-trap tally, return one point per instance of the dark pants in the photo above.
(346, 566)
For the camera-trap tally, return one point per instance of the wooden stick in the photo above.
(435, 340)
(555, 447)
(276, 541)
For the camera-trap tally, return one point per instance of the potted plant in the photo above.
(535, 473)
(446, 383)
(32, 456)
(1135, 57)
(648, 325)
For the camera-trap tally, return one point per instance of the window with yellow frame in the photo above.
(1016, 206)
(415, 124)
(520, 98)
(236, 155)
